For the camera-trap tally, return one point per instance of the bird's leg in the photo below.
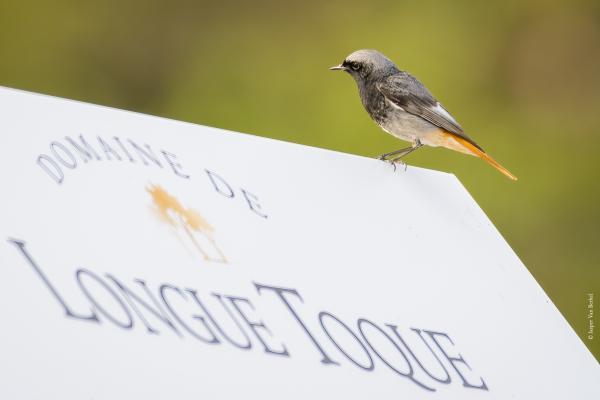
(401, 154)
(403, 151)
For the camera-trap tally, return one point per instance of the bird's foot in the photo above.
(395, 163)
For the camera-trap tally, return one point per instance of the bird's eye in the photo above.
(355, 66)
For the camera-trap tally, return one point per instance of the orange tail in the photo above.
(483, 155)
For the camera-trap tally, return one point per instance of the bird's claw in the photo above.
(395, 164)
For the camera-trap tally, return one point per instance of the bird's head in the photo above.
(365, 64)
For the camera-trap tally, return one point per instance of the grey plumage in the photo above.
(410, 94)
(396, 100)
(403, 107)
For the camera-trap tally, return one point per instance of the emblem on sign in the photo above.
(190, 228)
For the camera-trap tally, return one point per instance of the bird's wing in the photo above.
(406, 92)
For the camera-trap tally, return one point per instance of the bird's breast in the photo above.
(404, 125)
(391, 117)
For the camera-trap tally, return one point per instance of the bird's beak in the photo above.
(339, 68)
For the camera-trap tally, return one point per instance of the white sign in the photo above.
(142, 257)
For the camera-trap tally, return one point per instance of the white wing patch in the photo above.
(394, 105)
(439, 109)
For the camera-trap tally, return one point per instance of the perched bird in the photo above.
(403, 107)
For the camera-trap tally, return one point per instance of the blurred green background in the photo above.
(522, 77)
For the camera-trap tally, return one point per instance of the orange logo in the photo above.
(188, 225)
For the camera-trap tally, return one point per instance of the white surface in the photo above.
(354, 238)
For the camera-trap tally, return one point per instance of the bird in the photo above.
(403, 107)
